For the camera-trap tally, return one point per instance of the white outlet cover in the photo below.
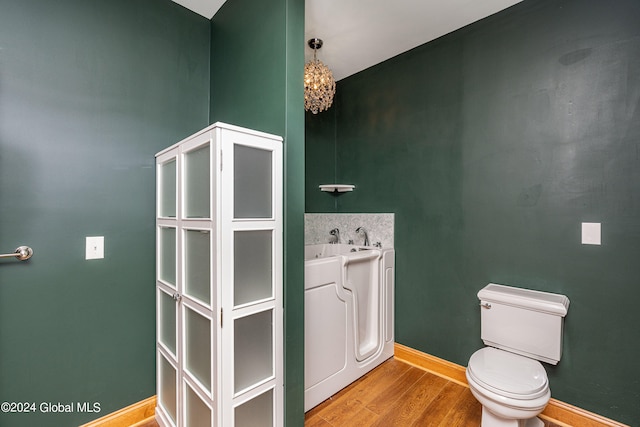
(591, 233)
(95, 247)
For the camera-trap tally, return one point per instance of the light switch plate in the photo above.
(95, 247)
(590, 233)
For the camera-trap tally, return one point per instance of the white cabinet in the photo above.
(219, 280)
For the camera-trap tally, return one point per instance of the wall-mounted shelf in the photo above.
(337, 188)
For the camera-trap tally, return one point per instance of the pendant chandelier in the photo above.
(319, 86)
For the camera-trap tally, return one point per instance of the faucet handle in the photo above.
(378, 244)
(335, 236)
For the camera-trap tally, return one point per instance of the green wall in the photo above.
(320, 167)
(257, 61)
(492, 144)
(89, 92)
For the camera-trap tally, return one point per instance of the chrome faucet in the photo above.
(361, 230)
(335, 233)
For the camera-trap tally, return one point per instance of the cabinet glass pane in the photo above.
(252, 266)
(168, 321)
(252, 182)
(167, 194)
(198, 413)
(198, 264)
(253, 349)
(257, 412)
(168, 387)
(197, 183)
(167, 267)
(198, 346)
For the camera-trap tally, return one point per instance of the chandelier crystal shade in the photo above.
(319, 85)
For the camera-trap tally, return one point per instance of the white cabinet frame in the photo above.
(228, 321)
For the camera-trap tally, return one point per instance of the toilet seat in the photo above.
(508, 374)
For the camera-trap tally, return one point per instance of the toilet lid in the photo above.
(507, 373)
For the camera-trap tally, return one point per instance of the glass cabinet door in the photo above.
(167, 322)
(167, 261)
(197, 347)
(167, 189)
(257, 412)
(252, 182)
(197, 265)
(253, 349)
(197, 183)
(167, 388)
(197, 411)
(197, 234)
(252, 247)
(252, 266)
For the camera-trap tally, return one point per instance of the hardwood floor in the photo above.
(398, 394)
(147, 423)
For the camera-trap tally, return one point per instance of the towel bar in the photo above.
(22, 253)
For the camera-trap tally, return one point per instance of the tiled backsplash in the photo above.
(379, 227)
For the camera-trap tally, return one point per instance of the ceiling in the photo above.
(206, 8)
(357, 37)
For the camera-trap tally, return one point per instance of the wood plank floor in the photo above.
(148, 423)
(398, 394)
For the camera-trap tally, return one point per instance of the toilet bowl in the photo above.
(520, 327)
(512, 389)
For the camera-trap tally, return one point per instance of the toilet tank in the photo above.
(523, 321)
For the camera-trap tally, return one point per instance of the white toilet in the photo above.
(520, 327)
